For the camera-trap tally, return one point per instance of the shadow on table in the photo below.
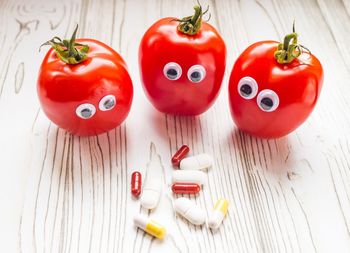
(274, 156)
(176, 128)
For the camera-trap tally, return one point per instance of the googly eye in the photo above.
(196, 73)
(247, 87)
(85, 111)
(268, 100)
(107, 103)
(172, 71)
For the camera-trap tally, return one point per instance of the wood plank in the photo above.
(71, 194)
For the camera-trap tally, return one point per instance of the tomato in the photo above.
(182, 64)
(87, 94)
(274, 87)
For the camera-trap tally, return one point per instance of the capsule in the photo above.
(185, 188)
(188, 176)
(151, 192)
(190, 211)
(136, 183)
(197, 162)
(179, 155)
(218, 214)
(150, 226)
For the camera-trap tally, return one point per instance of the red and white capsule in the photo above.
(179, 155)
(185, 188)
(136, 183)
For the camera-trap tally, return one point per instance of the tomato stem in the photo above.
(290, 49)
(192, 24)
(69, 51)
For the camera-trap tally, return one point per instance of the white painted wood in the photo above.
(62, 193)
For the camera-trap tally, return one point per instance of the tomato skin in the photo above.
(63, 87)
(297, 84)
(163, 43)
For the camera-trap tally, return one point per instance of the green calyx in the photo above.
(69, 51)
(192, 24)
(290, 49)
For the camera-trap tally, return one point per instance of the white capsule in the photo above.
(190, 211)
(218, 214)
(198, 162)
(188, 176)
(151, 192)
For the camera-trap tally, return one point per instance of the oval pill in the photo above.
(179, 155)
(218, 214)
(136, 183)
(151, 192)
(150, 226)
(188, 176)
(185, 188)
(197, 162)
(190, 211)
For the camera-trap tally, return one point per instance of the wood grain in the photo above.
(63, 193)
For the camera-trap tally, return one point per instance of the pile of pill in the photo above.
(187, 179)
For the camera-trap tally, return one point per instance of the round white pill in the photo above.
(188, 176)
(190, 211)
(197, 162)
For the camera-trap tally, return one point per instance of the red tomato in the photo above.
(269, 99)
(88, 98)
(181, 73)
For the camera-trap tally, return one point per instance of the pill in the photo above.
(136, 183)
(190, 211)
(197, 162)
(185, 188)
(150, 226)
(218, 214)
(179, 155)
(188, 176)
(151, 191)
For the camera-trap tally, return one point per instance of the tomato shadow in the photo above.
(97, 161)
(253, 154)
(92, 169)
(177, 130)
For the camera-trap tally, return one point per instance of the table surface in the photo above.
(62, 193)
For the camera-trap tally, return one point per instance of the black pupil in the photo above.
(108, 104)
(246, 90)
(196, 76)
(86, 113)
(266, 103)
(171, 73)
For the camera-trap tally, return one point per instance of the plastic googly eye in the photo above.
(247, 87)
(107, 103)
(196, 73)
(268, 100)
(172, 71)
(85, 111)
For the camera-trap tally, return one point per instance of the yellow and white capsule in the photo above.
(218, 214)
(150, 226)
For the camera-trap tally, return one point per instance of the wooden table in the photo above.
(62, 193)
